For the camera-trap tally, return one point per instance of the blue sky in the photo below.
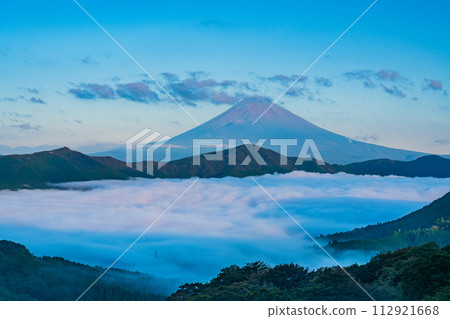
(64, 82)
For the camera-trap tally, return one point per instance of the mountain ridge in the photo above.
(38, 170)
(429, 223)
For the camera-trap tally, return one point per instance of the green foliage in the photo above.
(398, 240)
(436, 213)
(418, 273)
(430, 223)
(286, 276)
(26, 277)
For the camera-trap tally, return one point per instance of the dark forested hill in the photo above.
(431, 165)
(37, 170)
(423, 218)
(430, 223)
(419, 273)
(60, 165)
(184, 167)
(26, 277)
(427, 166)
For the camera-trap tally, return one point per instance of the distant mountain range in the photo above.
(430, 223)
(37, 170)
(426, 166)
(7, 150)
(277, 123)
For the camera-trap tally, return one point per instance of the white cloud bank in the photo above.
(216, 223)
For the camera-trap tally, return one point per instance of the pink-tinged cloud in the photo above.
(433, 85)
(388, 75)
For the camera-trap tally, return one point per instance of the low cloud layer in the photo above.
(217, 223)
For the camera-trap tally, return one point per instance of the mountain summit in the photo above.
(279, 123)
(249, 109)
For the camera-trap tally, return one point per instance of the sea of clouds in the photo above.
(218, 222)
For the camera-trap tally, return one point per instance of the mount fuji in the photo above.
(276, 123)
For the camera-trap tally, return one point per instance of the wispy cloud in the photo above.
(390, 75)
(195, 89)
(168, 76)
(92, 91)
(18, 98)
(382, 75)
(322, 81)
(434, 85)
(442, 141)
(88, 60)
(27, 127)
(8, 99)
(39, 61)
(367, 137)
(197, 74)
(15, 114)
(285, 79)
(137, 92)
(296, 91)
(394, 90)
(37, 100)
(374, 79)
(33, 90)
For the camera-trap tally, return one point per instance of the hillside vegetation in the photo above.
(26, 277)
(430, 223)
(419, 273)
